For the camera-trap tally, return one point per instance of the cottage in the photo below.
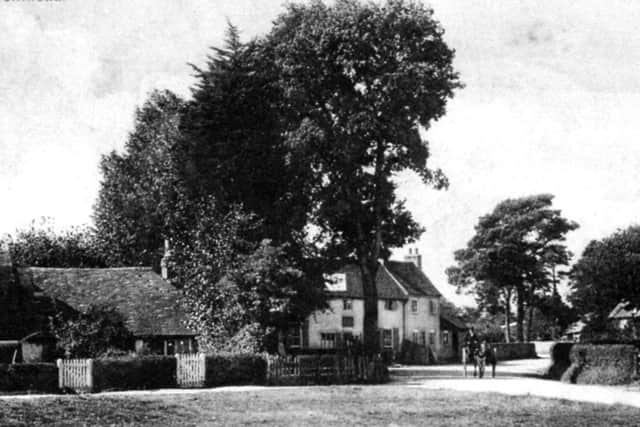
(408, 310)
(148, 303)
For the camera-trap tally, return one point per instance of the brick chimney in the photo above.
(164, 268)
(414, 257)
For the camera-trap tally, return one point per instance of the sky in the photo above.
(550, 105)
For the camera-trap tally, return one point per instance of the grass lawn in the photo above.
(321, 406)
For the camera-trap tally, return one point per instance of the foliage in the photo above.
(607, 273)
(134, 373)
(359, 81)
(90, 333)
(139, 186)
(41, 246)
(602, 364)
(237, 291)
(235, 369)
(515, 251)
(560, 361)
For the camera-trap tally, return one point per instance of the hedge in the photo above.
(235, 369)
(560, 361)
(602, 364)
(40, 377)
(134, 373)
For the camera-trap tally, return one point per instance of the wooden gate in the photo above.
(75, 374)
(190, 370)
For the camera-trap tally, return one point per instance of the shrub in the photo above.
(602, 364)
(560, 361)
(91, 333)
(41, 377)
(134, 373)
(235, 369)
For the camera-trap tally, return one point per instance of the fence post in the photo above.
(60, 373)
(268, 376)
(203, 369)
(90, 374)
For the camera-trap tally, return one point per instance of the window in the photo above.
(294, 337)
(328, 340)
(346, 305)
(419, 337)
(389, 305)
(423, 338)
(347, 321)
(445, 337)
(432, 338)
(414, 305)
(387, 338)
(432, 307)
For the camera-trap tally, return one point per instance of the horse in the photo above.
(468, 356)
(479, 357)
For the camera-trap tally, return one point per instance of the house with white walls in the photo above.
(408, 309)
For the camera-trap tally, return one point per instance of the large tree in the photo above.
(359, 82)
(140, 185)
(607, 273)
(515, 252)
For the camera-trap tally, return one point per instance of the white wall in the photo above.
(329, 321)
(425, 321)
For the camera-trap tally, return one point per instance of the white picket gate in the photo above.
(190, 370)
(76, 374)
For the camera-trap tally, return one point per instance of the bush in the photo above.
(602, 364)
(134, 373)
(235, 369)
(560, 361)
(42, 377)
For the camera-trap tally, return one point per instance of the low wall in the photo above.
(543, 348)
(514, 350)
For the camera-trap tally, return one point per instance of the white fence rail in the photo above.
(190, 370)
(76, 374)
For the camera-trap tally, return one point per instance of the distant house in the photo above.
(624, 314)
(574, 331)
(408, 309)
(148, 303)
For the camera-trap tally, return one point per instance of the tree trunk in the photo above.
(530, 323)
(507, 318)
(520, 294)
(370, 327)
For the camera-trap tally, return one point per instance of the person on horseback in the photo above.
(471, 347)
(485, 355)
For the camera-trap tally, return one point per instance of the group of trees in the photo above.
(518, 256)
(280, 166)
(515, 255)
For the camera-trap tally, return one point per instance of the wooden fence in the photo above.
(306, 370)
(190, 370)
(76, 374)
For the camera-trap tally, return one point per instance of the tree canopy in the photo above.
(515, 252)
(140, 186)
(607, 273)
(41, 245)
(359, 81)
